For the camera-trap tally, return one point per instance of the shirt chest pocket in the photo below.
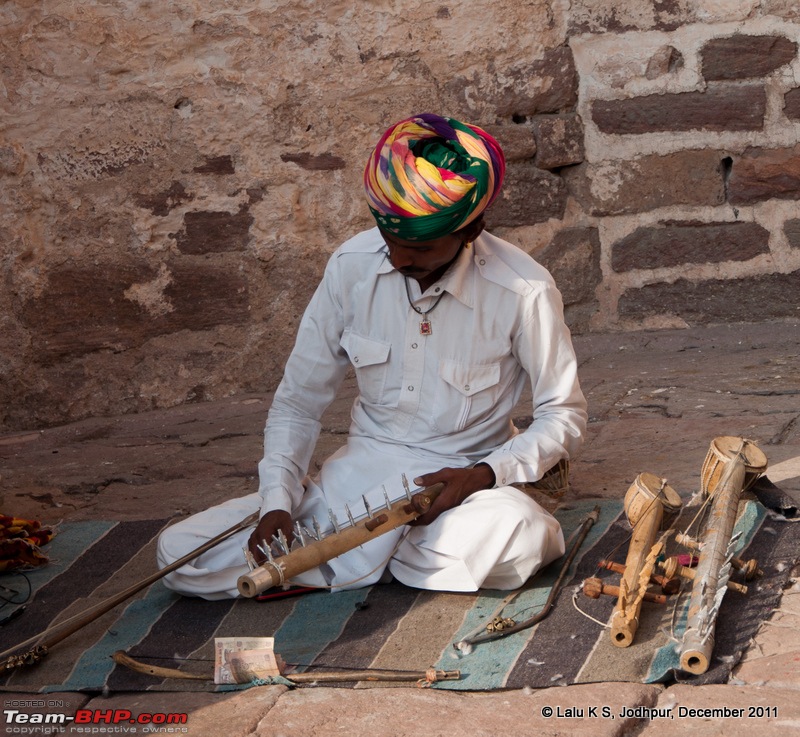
(467, 394)
(370, 358)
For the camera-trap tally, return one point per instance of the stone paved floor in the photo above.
(656, 401)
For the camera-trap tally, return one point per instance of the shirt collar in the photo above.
(458, 280)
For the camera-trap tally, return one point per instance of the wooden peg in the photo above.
(749, 568)
(594, 588)
(668, 586)
(671, 568)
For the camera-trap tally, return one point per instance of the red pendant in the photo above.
(425, 327)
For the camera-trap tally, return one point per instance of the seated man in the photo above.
(444, 324)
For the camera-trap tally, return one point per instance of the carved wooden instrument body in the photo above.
(721, 450)
(716, 553)
(280, 570)
(648, 502)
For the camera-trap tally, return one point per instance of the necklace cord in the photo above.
(416, 309)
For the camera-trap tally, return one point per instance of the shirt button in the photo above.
(355, 360)
(437, 290)
(466, 387)
(482, 262)
(411, 388)
(414, 345)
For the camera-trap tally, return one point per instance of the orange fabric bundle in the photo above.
(20, 543)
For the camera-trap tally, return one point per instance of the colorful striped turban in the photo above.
(430, 176)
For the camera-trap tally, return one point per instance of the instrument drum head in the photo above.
(723, 449)
(647, 490)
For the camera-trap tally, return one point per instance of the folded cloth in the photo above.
(20, 543)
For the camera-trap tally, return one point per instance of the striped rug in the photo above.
(385, 626)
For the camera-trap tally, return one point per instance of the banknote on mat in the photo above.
(244, 659)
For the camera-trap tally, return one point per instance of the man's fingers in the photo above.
(429, 479)
(438, 506)
(257, 547)
(267, 530)
(422, 520)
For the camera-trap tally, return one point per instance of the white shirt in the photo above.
(445, 397)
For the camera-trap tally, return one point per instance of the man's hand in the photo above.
(459, 483)
(268, 526)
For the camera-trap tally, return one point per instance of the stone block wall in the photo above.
(692, 156)
(174, 175)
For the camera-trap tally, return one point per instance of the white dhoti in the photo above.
(496, 539)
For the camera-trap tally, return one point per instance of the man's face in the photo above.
(423, 260)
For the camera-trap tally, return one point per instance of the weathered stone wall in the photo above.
(692, 170)
(174, 175)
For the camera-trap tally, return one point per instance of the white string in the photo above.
(278, 568)
(575, 593)
(700, 511)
